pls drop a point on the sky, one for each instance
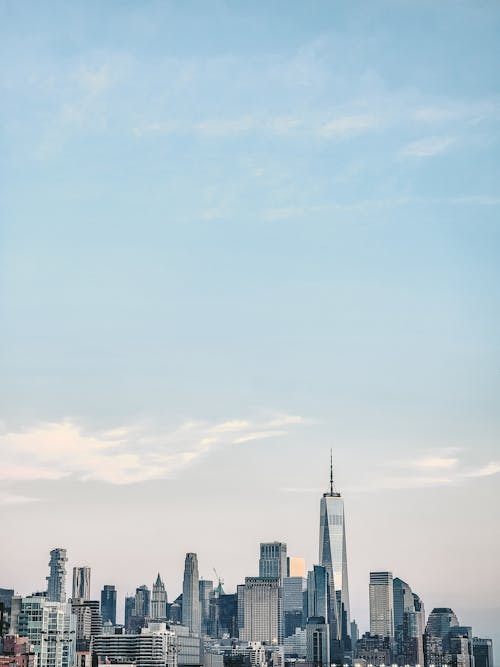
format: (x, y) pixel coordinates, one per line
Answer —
(233, 236)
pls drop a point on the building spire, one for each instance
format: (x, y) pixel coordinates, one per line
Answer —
(331, 473)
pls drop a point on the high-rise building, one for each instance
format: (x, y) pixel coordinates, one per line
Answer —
(437, 636)
(373, 650)
(262, 601)
(381, 604)
(206, 588)
(318, 593)
(142, 607)
(409, 623)
(296, 566)
(293, 604)
(191, 611)
(273, 560)
(50, 627)
(318, 642)
(83, 616)
(56, 580)
(333, 556)
(483, 652)
(159, 600)
(81, 582)
(129, 610)
(354, 634)
(108, 604)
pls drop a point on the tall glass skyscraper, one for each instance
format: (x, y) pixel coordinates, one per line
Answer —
(333, 557)
(108, 604)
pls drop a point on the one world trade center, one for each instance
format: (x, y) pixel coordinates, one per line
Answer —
(333, 557)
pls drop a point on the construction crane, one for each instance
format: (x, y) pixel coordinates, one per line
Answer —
(220, 581)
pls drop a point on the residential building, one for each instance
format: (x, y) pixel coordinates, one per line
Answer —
(81, 582)
(56, 580)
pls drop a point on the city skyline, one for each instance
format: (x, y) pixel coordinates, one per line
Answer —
(263, 557)
(234, 236)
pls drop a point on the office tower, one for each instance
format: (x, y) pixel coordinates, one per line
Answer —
(96, 618)
(381, 604)
(262, 614)
(296, 566)
(483, 652)
(273, 561)
(56, 589)
(295, 646)
(227, 605)
(354, 634)
(81, 582)
(191, 612)
(293, 604)
(437, 636)
(129, 610)
(142, 608)
(240, 593)
(318, 593)
(333, 556)
(50, 627)
(206, 588)
(159, 600)
(440, 620)
(108, 604)
(318, 642)
(408, 624)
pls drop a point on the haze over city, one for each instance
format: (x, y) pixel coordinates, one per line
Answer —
(233, 237)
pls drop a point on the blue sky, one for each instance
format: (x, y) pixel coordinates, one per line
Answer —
(232, 236)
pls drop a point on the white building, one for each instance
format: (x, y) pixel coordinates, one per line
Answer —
(381, 604)
(262, 611)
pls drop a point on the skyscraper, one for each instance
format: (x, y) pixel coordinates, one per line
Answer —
(381, 604)
(206, 588)
(409, 624)
(81, 582)
(142, 607)
(318, 593)
(159, 600)
(333, 556)
(273, 560)
(56, 588)
(108, 604)
(191, 612)
(129, 610)
(296, 566)
(262, 610)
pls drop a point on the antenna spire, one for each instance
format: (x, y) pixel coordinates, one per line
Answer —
(331, 473)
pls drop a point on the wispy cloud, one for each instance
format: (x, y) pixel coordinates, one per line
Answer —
(436, 462)
(124, 455)
(492, 468)
(13, 499)
(428, 147)
(345, 126)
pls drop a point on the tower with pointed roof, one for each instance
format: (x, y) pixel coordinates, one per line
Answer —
(333, 557)
(159, 600)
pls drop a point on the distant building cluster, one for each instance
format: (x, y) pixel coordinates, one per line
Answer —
(284, 617)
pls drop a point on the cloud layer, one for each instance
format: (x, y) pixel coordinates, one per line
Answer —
(125, 455)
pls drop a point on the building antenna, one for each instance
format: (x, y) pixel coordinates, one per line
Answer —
(331, 473)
